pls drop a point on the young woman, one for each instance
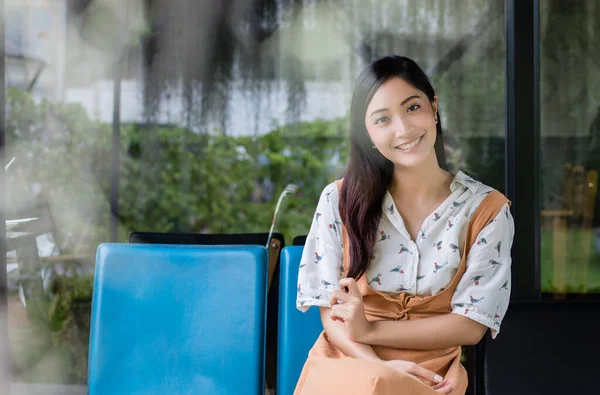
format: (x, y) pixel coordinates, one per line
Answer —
(406, 261)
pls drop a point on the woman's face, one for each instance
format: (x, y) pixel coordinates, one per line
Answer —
(400, 120)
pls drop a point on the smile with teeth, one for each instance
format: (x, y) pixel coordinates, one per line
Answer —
(409, 145)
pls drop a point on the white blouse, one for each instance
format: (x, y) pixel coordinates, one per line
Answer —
(421, 267)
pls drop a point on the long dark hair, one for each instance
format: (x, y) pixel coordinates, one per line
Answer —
(369, 174)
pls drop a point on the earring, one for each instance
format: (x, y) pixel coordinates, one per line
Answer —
(436, 120)
(373, 146)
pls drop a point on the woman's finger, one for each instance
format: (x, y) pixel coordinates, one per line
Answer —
(340, 308)
(339, 295)
(420, 371)
(338, 313)
(440, 385)
(447, 388)
(352, 286)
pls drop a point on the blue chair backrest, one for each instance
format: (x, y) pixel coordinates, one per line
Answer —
(173, 319)
(297, 331)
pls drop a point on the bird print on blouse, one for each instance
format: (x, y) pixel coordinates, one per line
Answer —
(438, 266)
(504, 286)
(454, 247)
(326, 283)
(376, 279)
(383, 236)
(494, 263)
(499, 247)
(404, 249)
(335, 226)
(496, 316)
(397, 269)
(461, 305)
(315, 297)
(482, 241)
(317, 216)
(438, 245)
(328, 193)
(476, 279)
(318, 257)
(458, 204)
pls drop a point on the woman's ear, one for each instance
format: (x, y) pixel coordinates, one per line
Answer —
(434, 105)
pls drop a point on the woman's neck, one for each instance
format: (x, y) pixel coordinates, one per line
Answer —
(422, 183)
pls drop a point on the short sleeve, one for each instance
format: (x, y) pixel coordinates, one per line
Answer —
(483, 293)
(321, 264)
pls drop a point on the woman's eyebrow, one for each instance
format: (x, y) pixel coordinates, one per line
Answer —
(408, 99)
(376, 111)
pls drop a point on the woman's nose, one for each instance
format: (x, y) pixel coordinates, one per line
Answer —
(402, 127)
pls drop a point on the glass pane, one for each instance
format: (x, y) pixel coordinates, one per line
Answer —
(570, 147)
(220, 108)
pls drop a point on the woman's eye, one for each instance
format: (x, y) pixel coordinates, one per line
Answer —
(382, 120)
(414, 107)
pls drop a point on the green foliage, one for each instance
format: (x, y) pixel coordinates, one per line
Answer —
(171, 180)
(178, 181)
(572, 267)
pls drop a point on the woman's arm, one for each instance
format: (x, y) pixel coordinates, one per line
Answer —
(432, 333)
(336, 333)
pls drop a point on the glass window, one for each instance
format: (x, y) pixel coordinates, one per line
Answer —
(219, 110)
(570, 147)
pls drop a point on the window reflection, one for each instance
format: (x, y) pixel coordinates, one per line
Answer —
(570, 148)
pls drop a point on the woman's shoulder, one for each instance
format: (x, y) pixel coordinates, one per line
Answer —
(329, 202)
(477, 191)
(476, 187)
(330, 194)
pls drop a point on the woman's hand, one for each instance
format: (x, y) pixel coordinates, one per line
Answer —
(440, 385)
(347, 306)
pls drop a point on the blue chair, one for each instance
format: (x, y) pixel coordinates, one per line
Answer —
(173, 319)
(297, 331)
